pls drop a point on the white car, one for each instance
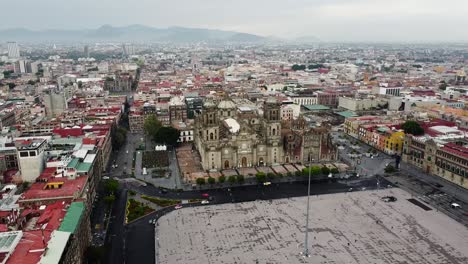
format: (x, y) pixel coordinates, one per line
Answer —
(266, 183)
(105, 178)
(455, 206)
(205, 202)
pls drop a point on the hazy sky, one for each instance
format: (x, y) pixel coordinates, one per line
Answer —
(354, 20)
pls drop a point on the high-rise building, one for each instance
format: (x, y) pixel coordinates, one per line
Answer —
(55, 102)
(21, 66)
(86, 51)
(13, 50)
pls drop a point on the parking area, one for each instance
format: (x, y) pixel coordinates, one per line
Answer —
(353, 227)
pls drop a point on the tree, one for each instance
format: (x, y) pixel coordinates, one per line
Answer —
(211, 180)
(412, 127)
(80, 84)
(11, 85)
(7, 74)
(119, 138)
(200, 181)
(151, 126)
(389, 169)
(334, 171)
(232, 179)
(240, 178)
(325, 170)
(111, 185)
(221, 179)
(314, 171)
(261, 177)
(168, 135)
(31, 82)
(109, 199)
(443, 85)
(297, 67)
(271, 175)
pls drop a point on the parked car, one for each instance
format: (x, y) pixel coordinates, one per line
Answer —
(455, 206)
(205, 202)
(178, 206)
(205, 195)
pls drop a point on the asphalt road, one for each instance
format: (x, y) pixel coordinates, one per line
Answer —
(115, 242)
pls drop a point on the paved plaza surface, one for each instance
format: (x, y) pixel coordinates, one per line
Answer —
(354, 227)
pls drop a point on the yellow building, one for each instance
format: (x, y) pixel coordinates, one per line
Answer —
(394, 142)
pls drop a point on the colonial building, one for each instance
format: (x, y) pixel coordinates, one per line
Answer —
(230, 136)
(447, 160)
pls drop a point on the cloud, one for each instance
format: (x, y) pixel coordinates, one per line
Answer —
(355, 20)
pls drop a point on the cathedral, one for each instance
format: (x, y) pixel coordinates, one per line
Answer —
(230, 136)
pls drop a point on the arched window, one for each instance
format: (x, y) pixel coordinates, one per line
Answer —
(273, 131)
(211, 136)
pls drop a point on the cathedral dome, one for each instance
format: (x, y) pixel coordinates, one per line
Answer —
(226, 104)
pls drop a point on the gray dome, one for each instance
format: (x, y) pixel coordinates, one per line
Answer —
(226, 104)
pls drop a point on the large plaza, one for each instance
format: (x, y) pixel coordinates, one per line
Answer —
(355, 227)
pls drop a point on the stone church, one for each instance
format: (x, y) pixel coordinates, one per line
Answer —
(231, 136)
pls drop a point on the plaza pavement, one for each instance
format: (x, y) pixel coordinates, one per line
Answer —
(354, 227)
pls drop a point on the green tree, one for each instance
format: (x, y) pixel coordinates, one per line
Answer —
(443, 85)
(334, 171)
(412, 127)
(200, 181)
(119, 138)
(111, 185)
(151, 126)
(271, 175)
(261, 177)
(109, 199)
(232, 179)
(80, 84)
(7, 74)
(168, 135)
(325, 170)
(240, 178)
(11, 85)
(211, 180)
(31, 82)
(389, 169)
(221, 179)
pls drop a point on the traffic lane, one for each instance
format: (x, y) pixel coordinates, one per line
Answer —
(140, 241)
(115, 237)
(255, 192)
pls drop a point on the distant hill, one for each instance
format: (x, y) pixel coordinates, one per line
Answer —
(133, 33)
(307, 39)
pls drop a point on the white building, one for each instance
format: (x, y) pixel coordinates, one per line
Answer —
(13, 50)
(30, 157)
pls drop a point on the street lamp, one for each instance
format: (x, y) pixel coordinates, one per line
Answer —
(306, 248)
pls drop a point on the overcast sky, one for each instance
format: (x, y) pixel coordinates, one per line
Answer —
(329, 20)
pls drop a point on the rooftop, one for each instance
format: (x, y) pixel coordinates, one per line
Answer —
(316, 107)
(72, 218)
(55, 247)
(54, 187)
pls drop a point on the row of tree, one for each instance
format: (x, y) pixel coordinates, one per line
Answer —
(302, 67)
(262, 177)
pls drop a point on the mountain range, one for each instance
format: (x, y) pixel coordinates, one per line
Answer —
(133, 33)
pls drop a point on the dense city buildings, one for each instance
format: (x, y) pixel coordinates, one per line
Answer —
(72, 118)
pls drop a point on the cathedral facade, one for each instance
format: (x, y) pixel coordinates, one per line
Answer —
(230, 136)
